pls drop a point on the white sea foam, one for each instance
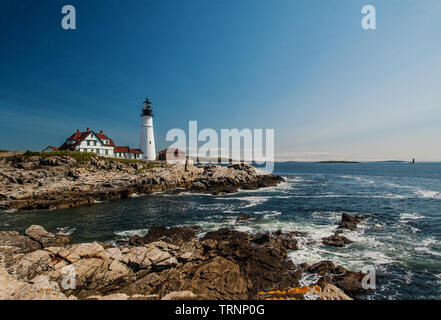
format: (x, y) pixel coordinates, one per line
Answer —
(98, 201)
(427, 247)
(269, 214)
(252, 200)
(65, 231)
(428, 193)
(135, 195)
(245, 229)
(129, 233)
(405, 217)
(359, 179)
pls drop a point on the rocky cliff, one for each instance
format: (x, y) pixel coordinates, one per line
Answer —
(59, 182)
(174, 263)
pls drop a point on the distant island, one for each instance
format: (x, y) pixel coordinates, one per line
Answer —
(337, 161)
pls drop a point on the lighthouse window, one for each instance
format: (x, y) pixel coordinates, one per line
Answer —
(150, 142)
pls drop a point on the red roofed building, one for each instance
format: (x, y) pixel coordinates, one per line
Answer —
(50, 149)
(171, 155)
(127, 153)
(99, 143)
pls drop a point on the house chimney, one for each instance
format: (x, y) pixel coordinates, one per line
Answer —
(88, 129)
(101, 131)
(78, 130)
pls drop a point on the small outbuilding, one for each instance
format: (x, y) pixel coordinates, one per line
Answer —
(50, 149)
(171, 154)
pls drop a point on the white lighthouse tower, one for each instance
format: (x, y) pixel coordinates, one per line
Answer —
(147, 143)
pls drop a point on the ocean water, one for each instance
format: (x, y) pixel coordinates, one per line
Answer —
(401, 236)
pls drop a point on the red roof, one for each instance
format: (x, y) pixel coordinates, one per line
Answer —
(102, 136)
(121, 149)
(79, 136)
(170, 150)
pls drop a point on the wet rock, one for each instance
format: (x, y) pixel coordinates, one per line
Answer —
(245, 218)
(350, 282)
(261, 238)
(170, 235)
(349, 222)
(322, 267)
(173, 264)
(46, 239)
(303, 267)
(336, 241)
(264, 263)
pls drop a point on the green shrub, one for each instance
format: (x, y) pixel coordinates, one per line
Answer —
(79, 156)
(31, 153)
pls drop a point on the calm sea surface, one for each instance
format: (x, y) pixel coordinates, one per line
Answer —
(401, 235)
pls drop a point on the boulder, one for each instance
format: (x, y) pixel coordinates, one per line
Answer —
(322, 267)
(180, 295)
(350, 282)
(31, 265)
(245, 218)
(39, 288)
(47, 239)
(331, 292)
(22, 244)
(349, 222)
(336, 241)
(173, 235)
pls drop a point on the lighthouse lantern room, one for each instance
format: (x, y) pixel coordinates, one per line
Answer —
(147, 143)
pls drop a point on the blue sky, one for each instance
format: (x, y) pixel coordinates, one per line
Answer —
(307, 69)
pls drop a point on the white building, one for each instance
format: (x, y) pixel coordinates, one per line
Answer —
(147, 141)
(99, 143)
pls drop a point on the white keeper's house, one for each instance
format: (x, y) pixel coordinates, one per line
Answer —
(102, 145)
(99, 143)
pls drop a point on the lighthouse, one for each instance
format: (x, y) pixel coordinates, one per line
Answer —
(147, 143)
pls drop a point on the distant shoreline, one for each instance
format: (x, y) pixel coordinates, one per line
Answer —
(335, 161)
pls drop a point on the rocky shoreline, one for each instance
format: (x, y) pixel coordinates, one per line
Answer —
(167, 263)
(61, 182)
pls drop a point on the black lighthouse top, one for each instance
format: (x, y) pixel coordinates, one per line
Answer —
(147, 110)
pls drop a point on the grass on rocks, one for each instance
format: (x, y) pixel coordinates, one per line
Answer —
(86, 156)
(78, 156)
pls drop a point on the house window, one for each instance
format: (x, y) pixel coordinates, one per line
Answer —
(106, 152)
(88, 142)
(94, 143)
